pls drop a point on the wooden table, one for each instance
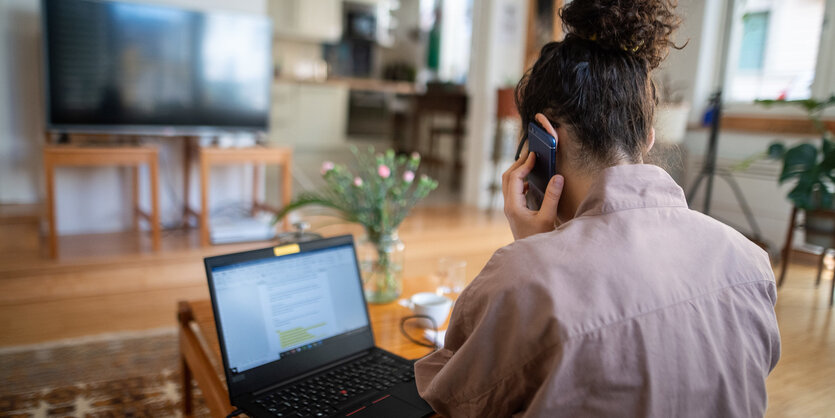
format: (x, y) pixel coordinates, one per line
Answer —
(200, 353)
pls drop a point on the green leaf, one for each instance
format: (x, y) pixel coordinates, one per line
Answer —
(801, 195)
(776, 150)
(828, 163)
(798, 160)
(813, 167)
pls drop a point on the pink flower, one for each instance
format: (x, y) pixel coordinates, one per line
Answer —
(408, 176)
(415, 155)
(357, 182)
(383, 171)
(326, 166)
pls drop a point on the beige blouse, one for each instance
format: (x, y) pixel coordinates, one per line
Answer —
(637, 307)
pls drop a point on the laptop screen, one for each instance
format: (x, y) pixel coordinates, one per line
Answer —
(274, 308)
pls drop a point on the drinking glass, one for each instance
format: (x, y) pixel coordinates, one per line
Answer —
(452, 276)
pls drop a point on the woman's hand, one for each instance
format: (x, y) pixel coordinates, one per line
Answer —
(523, 221)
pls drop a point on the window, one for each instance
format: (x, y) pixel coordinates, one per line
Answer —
(752, 51)
(775, 47)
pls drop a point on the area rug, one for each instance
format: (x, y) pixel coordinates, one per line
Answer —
(120, 375)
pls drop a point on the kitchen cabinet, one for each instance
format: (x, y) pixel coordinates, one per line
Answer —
(318, 21)
(308, 115)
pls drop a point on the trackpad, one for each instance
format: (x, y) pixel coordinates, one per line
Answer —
(388, 407)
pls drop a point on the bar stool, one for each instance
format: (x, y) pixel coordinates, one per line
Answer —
(98, 156)
(256, 155)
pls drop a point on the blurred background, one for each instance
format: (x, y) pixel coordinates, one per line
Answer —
(137, 137)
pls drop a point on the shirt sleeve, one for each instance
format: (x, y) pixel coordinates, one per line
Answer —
(488, 366)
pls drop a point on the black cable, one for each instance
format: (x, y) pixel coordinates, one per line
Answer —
(434, 346)
(235, 413)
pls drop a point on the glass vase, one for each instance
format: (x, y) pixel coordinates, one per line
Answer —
(381, 264)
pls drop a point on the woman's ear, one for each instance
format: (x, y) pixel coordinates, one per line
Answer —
(546, 124)
(651, 139)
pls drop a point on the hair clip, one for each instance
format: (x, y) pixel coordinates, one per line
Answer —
(635, 48)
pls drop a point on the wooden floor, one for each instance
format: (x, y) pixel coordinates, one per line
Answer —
(113, 283)
(802, 383)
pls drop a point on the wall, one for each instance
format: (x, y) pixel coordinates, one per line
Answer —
(693, 67)
(90, 199)
(20, 100)
(496, 61)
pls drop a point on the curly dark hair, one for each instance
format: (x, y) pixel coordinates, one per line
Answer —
(597, 80)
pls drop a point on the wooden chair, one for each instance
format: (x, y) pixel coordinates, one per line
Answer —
(439, 101)
(257, 155)
(786, 254)
(98, 156)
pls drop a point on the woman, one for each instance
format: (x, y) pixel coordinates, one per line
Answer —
(632, 305)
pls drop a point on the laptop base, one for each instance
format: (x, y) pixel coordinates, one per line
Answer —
(378, 384)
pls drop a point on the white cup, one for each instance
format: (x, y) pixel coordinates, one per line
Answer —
(430, 304)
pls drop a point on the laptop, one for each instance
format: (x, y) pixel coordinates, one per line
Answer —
(296, 338)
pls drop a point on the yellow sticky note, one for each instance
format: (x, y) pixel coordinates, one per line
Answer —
(286, 249)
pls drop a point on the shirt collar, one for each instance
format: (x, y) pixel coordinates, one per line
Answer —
(631, 186)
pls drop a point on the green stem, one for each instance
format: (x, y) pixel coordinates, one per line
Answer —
(385, 280)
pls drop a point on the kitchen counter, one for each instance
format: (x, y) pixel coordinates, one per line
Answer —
(357, 84)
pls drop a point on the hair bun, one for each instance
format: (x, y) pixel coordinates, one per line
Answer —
(641, 27)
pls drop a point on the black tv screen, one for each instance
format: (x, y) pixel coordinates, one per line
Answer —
(136, 67)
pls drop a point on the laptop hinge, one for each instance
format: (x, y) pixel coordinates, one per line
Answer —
(311, 373)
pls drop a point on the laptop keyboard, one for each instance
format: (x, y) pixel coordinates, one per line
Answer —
(325, 394)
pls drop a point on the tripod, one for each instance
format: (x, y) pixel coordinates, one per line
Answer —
(709, 171)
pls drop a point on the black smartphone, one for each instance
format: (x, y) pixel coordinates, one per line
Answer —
(544, 147)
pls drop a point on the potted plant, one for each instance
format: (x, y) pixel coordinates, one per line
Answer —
(813, 169)
(377, 195)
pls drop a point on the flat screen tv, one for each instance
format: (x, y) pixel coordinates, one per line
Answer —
(132, 67)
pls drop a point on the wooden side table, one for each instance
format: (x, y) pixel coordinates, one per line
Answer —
(131, 156)
(258, 156)
(200, 352)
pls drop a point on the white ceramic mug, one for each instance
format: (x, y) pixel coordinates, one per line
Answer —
(430, 304)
